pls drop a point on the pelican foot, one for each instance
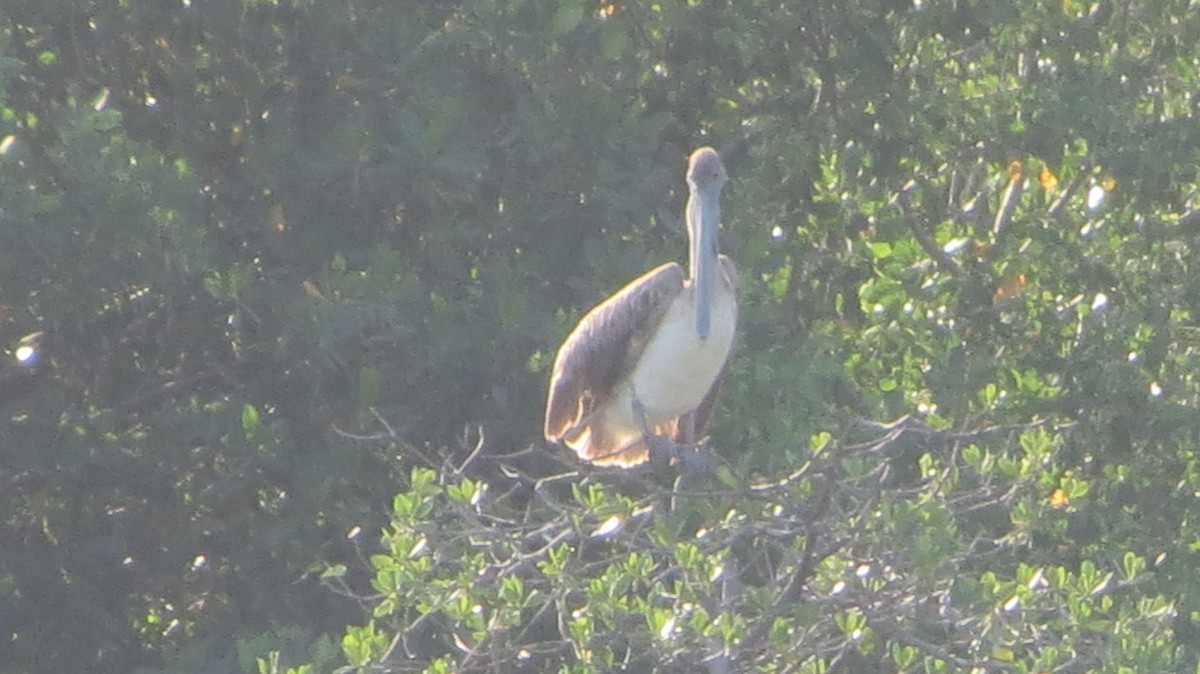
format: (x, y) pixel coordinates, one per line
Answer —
(690, 459)
(696, 461)
(664, 451)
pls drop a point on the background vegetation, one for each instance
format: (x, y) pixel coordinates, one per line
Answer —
(299, 268)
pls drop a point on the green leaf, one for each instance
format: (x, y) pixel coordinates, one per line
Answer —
(368, 387)
(334, 571)
(614, 40)
(567, 16)
(818, 442)
(1133, 565)
(250, 422)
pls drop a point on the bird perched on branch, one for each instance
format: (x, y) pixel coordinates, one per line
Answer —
(643, 369)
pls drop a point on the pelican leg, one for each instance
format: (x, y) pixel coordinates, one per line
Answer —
(663, 450)
(689, 429)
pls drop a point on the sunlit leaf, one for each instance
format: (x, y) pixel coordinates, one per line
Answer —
(1010, 286)
(1058, 498)
(1047, 179)
(1015, 169)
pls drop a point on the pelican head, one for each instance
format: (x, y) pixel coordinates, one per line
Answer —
(705, 178)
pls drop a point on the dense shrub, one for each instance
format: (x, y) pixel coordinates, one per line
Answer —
(287, 259)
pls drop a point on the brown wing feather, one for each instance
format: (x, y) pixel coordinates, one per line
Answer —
(600, 350)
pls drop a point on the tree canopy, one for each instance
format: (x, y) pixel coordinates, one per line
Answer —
(281, 282)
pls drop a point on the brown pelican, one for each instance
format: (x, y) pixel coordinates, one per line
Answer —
(646, 364)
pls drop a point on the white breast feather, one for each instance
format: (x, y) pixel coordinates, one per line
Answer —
(677, 369)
